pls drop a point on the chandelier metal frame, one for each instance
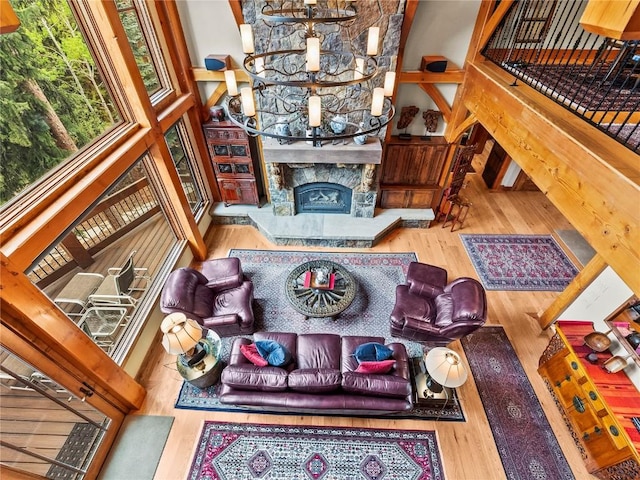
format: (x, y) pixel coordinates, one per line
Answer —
(283, 81)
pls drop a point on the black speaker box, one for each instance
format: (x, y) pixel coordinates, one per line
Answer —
(438, 66)
(433, 63)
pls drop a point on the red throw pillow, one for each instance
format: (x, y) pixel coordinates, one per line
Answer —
(383, 366)
(250, 352)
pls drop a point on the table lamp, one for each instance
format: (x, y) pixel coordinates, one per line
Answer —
(444, 367)
(197, 355)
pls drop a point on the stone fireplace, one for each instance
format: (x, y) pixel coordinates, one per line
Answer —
(329, 179)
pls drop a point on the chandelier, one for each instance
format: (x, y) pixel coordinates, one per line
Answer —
(308, 80)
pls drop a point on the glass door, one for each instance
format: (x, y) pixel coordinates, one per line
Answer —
(45, 429)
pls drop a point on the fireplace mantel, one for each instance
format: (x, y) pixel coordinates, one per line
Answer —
(302, 152)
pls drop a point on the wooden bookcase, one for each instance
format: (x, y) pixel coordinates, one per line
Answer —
(234, 159)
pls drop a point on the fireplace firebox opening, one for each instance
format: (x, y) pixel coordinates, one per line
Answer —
(322, 197)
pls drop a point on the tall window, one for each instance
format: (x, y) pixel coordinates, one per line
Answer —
(52, 97)
(99, 273)
(136, 22)
(183, 160)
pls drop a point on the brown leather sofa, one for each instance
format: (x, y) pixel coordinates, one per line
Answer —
(320, 378)
(218, 298)
(429, 310)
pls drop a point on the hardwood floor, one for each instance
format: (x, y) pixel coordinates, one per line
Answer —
(467, 448)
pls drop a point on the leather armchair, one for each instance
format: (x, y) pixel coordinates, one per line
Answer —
(222, 303)
(427, 309)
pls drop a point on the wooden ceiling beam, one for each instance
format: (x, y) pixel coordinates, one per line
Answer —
(574, 164)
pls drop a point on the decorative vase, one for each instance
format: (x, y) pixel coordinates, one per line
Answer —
(360, 139)
(338, 124)
(217, 113)
(283, 130)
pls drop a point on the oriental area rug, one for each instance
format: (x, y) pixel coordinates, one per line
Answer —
(526, 443)
(376, 274)
(519, 262)
(234, 451)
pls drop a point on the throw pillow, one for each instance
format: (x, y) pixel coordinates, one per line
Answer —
(274, 353)
(383, 366)
(372, 352)
(251, 353)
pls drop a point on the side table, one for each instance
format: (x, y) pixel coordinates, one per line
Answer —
(208, 370)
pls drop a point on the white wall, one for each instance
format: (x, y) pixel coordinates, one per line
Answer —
(440, 27)
(210, 28)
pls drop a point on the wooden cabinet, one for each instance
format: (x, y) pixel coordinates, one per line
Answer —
(598, 406)
(234, 158)
(411, 171)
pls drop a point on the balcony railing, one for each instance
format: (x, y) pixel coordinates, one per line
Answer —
(109, 220)
(541, 43)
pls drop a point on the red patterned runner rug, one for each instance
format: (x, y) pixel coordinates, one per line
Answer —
(519, 262)
(236, 450)
(525, 441)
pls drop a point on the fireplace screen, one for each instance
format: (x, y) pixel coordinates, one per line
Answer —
(322, 197)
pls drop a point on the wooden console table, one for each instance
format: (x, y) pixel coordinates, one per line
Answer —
(600, 408)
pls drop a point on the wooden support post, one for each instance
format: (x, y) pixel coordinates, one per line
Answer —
(581, 281)
(77, 251)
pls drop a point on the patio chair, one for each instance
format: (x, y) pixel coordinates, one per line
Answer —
(120, 284)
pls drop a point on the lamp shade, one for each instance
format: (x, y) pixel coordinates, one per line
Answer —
(445, 367)
(181, 334)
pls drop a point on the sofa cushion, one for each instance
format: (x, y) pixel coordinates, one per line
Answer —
(373, 384)
(273, 352)
(383, 366)
(251, 353)
(319, 350)
(251, 377)
(372, 352)
(315, 380)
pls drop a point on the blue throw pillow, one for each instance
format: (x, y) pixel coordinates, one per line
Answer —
(274, 353)
(372, 352)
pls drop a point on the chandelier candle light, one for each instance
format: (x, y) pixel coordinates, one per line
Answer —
(305, 82)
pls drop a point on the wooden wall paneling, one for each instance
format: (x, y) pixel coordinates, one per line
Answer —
(572, 163)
